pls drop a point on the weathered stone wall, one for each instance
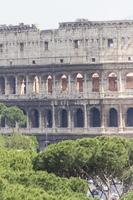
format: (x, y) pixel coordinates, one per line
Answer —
(72, 43)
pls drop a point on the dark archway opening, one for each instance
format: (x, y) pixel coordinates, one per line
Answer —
(2, 85)
(95, 118)
(3, 122)
(113, 118)
(130, 117)
(12, 85)
(79, 118)
(63, 119)
(34, 119)
(49, 119)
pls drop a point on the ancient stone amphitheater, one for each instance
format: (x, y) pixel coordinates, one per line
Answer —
(73, 81)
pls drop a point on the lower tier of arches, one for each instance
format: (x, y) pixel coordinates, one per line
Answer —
(83, 117)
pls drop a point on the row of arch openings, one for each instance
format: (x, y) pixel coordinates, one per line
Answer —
(95, 118)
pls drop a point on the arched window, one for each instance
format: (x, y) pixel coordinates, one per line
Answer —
(95, 82)
(130, 117)
(79, 118)
(36, 86)
(79, 82)
(2, 85)
(64, 82)
(22, 85)
(63, 118)
(3, 122)
(24, 125)
(112, 81)
(113, 118)
(12, 85)
(49, 84)
(129, 80)
(34, 118)
(95, 117)
(49, 119)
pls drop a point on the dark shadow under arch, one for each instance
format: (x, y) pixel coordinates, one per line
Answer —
(113, 118)
(130, 117)
(63, 118)
(79, 118)
(95, 120)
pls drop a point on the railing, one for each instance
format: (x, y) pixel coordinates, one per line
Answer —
(77, 131)
(73, 95)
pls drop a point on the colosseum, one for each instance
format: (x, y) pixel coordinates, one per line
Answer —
(70, 82)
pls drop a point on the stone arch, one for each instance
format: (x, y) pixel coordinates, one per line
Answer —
(63, 118)
(79, 118)
(11, 81)
(95, 82)
(113, 118)
(49, 84)
(112, 81)
(79, 82)
(2, 85)
(24, 125)
(95, 120)
(22, 85)
(36, 85)
(129, 80)
(130, 117)
(64, 83)
(49, 118)
(3, 122)
(34, 118)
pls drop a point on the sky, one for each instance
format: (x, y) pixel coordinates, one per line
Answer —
(46, 14)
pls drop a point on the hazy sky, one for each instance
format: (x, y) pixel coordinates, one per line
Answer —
(48, 13)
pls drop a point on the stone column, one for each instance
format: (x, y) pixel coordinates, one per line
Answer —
(40, 120)
(53, 111)
(27, 114)
(121, 124)
(85, 91)
(54, 86)
(27, 85)
(102, 84)
(85, 117)
(69, 118)
(103, 118)
(120, 83)
(69, 84)
(6, 86)
(16, 85)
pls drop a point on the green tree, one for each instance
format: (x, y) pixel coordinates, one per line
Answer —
(103, 159)
(14, 116)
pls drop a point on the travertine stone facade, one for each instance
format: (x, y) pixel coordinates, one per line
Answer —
(75, 80)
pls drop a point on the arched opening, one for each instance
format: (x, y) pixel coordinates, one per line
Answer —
(49, 119)
(79, 118)
(2, 85)
(112, 81)
(130, 117)
(12, 85)
(95, 82)
(129, 80)
(34, 118)
(79, 82)
(113, 118)
(64, 83)
(49, 84)
(3, 122)
(63, 118)
(95, 118)
(22, 85)
(36, 86)
(25, 124)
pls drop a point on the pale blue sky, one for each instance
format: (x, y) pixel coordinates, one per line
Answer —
(48, 13)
